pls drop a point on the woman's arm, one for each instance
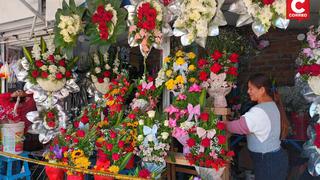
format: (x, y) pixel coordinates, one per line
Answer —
(238, 126)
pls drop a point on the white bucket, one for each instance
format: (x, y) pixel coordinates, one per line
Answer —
(12, 137)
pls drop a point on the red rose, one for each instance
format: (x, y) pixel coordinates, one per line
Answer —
(109, 146)
(203, 76)
(215, 68)
(68, 137)
(64, 149)
(107, 16)
(106, 74)
(267, 2)
(221, 125)
(84, 119)
(51, 124)
(230, 154)
(144, 173)
(204, 116)
(205, 142)
(150, 79)
(44, 74)
(201, 63)
(51, 58)
(113, 135)
(35, 73)
(50, 115)
(76, 124)
(232, 71)
(121, 144)
(115, 156)
(75, 140)
(221, 139)
(96, 18)
(191, 142)
(59, 76)
(132, 116)
(62, 63)
(216, 55)
(139, 87)
(100, 80)
(68, 74)
(81, 133)
(39, 63)
(100, 9)
(234, 57)
(63, 131)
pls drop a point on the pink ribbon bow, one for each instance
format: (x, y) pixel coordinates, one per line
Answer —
(193, 111)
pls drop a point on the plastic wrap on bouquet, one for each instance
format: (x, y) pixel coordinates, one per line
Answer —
(306, 91)
(314, 83)
(209, 173)
(155, 168)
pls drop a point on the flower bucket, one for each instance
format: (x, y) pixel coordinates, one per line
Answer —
(219, 96)
(75, 177)
(209, 173)
(51, 86)
(97, 177)
(54, 173)
(12, 137)
(102, 87)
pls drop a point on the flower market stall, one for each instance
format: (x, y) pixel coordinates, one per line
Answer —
(136, 89)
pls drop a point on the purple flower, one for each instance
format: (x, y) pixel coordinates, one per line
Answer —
(311, 38)
(308, 52)
(57, 151)
(196, 178)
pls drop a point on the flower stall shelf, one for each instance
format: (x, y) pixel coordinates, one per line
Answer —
(176, 158)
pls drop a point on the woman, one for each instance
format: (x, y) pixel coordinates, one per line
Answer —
(263, 124)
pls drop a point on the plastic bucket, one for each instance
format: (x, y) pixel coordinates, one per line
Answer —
(12, 137)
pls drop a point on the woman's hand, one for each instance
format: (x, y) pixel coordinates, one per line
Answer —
(19, 93)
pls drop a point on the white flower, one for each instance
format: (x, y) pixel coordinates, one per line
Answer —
(202, 28)
(62, 25)
(107, 67)
(141, 122)
(280, 7)
(194, 15)
(62, 69)
(140, 138)
(36, 51)
(51, 77)
(44, 68)
(186, 125)
(97, 70)
(149, 138)
(151, 114)
(265, 16)
(106, 57)
(166, 123)
(106, 80)
(53, 69)
(94, 79)
(164, 135)
(139, 103)
(67, 39)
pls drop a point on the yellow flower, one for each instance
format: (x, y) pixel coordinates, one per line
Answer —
(114, 169)
(65, 154)
(192, 80)
(179, 53)
(179, 80)
(192, 67)
(100, 140)
(167, 59)
(168, 73)
(191, 55)
(110, 103)
(115, 91)
(82, 162)
(180, 61)
(76, 154)
(170, 84)
(136, 123)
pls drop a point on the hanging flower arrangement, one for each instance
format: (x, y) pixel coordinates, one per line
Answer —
(107, 22)
(47, 69)
(262, 14)
(145, 22)
(198, 20)
(310, 66)
(68, 26)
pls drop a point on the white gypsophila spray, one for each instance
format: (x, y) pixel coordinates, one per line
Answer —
(36, 51)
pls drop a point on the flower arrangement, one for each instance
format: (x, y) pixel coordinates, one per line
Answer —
(46, 68)
(68, 26)
(103, 71)
(145, 25)
(50, 117)
(7, 115)
(310, 67)
(112, 154)
(193, 23)
(107, 22)
(175, 70)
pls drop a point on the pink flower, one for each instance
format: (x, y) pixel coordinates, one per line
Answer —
(142, 32)
(181, 97)
(172, 123)
(308, 52)
(132, 28)
(171, 109)
(195, 88)
(137, 36)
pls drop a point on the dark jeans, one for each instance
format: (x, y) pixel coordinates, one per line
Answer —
(270, 166)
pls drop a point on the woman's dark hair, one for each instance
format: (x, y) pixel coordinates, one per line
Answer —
(261, 80)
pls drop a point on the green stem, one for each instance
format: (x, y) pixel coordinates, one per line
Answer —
(145, 66)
